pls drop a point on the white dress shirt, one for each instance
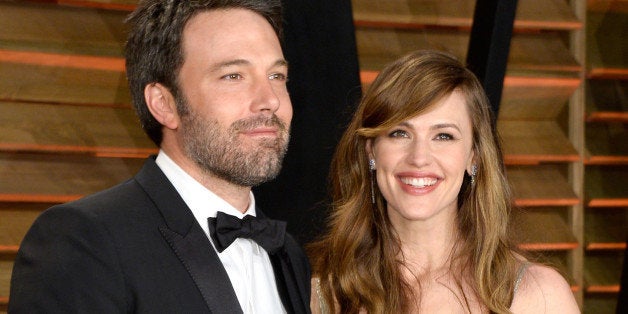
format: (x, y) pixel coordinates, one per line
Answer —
(246, 263)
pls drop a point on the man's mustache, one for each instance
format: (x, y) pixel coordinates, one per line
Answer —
(259, 121)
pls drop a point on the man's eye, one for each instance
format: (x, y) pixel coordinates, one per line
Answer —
(232, 76)
(278, 76)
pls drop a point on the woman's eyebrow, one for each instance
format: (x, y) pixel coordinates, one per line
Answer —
(444, 126)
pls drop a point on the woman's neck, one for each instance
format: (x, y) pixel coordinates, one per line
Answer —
(428, 246)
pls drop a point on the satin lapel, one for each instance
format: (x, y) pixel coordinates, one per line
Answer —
(294, 294)
(188, 241)
(201, 261)
(287, 285)
(280, 280)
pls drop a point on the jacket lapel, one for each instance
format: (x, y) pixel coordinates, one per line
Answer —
(205, 269)
(189, 242)
(288, 285)
(292, 274)
(281, 272)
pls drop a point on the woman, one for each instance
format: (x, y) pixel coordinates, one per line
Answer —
(421, 205)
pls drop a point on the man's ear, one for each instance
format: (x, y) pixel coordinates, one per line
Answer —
(161, 105)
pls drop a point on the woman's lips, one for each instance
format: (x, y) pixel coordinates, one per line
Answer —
(418, 184)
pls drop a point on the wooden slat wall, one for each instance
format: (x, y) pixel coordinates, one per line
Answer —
(606, 160)
(67, 128)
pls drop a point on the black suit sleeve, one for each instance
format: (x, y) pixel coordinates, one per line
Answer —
(67, 264)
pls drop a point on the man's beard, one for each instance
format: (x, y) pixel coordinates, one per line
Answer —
(222, 153)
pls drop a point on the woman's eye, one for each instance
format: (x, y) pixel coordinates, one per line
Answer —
(398, 133)
(444, 137)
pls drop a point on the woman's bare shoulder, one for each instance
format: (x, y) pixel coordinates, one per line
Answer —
(543, 290)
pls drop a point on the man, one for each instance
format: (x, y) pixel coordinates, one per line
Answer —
(208, 81)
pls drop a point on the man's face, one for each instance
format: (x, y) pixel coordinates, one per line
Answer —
(233, 82)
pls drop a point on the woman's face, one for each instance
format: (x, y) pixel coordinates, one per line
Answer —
(421, 162)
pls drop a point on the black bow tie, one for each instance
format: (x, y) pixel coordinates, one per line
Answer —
(268, 233)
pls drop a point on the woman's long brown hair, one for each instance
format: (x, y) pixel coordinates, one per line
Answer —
(358, 260)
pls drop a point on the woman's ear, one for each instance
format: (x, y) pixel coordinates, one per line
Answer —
(472, 164)
(369, 148)
(161, 105)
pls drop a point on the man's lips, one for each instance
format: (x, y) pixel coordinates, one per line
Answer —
(264, 131)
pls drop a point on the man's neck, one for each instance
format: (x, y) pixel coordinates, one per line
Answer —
(236, 195)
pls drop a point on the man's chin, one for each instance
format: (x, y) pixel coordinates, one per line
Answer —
(261, 178)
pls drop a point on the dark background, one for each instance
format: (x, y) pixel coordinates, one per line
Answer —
(324, 85)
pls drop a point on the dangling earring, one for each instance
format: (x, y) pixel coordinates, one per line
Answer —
(372, 170)
(474, 171)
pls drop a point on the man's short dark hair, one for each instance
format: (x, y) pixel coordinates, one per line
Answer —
(153, 49)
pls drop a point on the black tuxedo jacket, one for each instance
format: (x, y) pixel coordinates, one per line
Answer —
(135, 248)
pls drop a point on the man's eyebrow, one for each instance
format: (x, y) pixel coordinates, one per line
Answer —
(236, 62)
(281, 63)
(228, 63)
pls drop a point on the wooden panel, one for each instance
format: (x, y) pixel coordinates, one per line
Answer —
(606, 228)
(607, 116)
(607, 149)
(59, 178)
(606, 186)
(541, 52)
(544, 185)
(14, 227)
(551, 14)
(528, 52)
(413, 14)
(607, 72)
(600, 303)
(59, 84)
(63, 60)
(543, 229)
(535, 98)
(607, 143)
(603, 270)
(607, 5)
(6, 266)
(57, 29)
(606, 44)
(100, 131)
(606, 100)
(377, 47)
(607, 125)
(533, 142)
(70, 55)
(15, 220)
